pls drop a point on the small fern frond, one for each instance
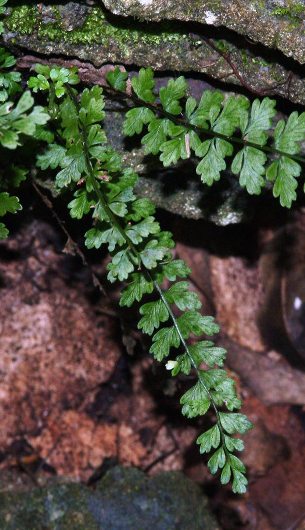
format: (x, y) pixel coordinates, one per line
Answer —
(142, 255)
(175, 126)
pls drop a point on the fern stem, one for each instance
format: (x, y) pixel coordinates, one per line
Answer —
(90, 172)
(115, 222)
(187, 351)
(180, 120)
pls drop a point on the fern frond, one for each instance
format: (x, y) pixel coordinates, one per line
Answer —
(142, 255)
(174, 126)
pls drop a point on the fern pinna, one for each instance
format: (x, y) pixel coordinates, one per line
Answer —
(176, 126)
(142, 255)
(17, 119)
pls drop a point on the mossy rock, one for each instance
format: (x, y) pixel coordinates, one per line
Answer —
(125, 499)
(264, 21)
(90, 33)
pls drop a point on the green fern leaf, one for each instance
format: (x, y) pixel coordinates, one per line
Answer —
(92, 105)
(234, 422)
(195, 401)
(120, 267)
(136, 289)
(213, 161)
(73, 165)
(80, 205)
(193, 322)
(180, 295)
(208, 109)
(172, 93)
(52, 157)
(152, 253)
(208, 440)
(96, 237)
(217, 461)
(234, 112)
(143, 229)
(135, 120)
(283, 173)
(234, 444)
(163, 341)
(287, 136)
(117, 79)
(254, 128)
(9, 203)
(141, 208)
(173, 150)
(156, 136)
(153, 314)
(143, 85)
(249, 164)
(239, 483)
(226, 474)
(176, 268)
(3, 231)
(207, 352)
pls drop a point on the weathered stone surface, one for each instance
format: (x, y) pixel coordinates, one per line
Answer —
(75, 444)
(238, 294)
(195, 201)
(270, 377)
(264, 449)
(270, 22)
(92, 35)
(125, 499)
(54, 351)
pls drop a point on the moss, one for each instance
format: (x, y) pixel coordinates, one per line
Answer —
(222, 46)
(260, 61)
(22, 19)
(293, 12)
(249, 61)
(96, 29)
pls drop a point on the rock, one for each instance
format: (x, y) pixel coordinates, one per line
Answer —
(125, 499)
(245, 514)
(75, 444)
(264, 449)
(293, 301)
(54, 350)
(92, 34)
(69, 400)
(264, 21)
(194, 201)
(270, 377)
(238, 296)
(282, 267)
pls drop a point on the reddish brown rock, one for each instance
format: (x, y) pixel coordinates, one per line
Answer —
(238, 295)
(54, 351)
(74, 444)
(264, 449)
